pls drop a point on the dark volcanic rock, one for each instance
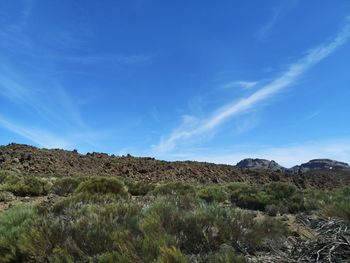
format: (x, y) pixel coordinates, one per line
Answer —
(250, 163)
(320, 164)
(32, 160)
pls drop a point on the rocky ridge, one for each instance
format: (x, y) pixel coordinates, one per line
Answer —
(250, 163)
(316, 164)
(32, 160)
(320, 164)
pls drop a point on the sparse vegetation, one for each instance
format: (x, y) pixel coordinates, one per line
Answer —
(339, 204)
(95, 219)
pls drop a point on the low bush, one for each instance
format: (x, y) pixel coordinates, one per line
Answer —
(236, 186)
(92, 232)
(25, 185)
(13, 223)
(224, 256)
(171, 255)
(6, 196)
(4, 174)
(174, 188)
(315, 199)
(66, 185)
(103, 185)
(339, 204)
(212, 193)
(139, 188)
(285, 197)
(248, 198)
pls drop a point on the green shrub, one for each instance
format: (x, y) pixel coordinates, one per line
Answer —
(171, 255)
(12, 226)
(112, 257)
(174, 188)
(339, 204)
(60, 255)
(139, 188)
(4, 174)
(280, 191)
(282, 195)
(272, 210)
(66, 185)
(103, 185)
(97, 223)
(232, 187)
(225, 256)
(249, 198)
(93, 232)
(6, 196)
(23, 186)
(315, 199)
(77, 201)
(212, 193)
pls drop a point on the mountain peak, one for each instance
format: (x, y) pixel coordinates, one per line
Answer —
(257, 163)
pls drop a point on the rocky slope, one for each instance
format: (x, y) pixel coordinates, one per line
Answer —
(33, 160)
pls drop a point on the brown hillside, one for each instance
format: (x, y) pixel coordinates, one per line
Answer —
(33, 160)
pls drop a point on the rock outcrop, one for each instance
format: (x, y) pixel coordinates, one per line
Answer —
(250, 163)
(320, 164)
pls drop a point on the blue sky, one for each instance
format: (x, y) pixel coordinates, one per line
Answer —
(198, 80)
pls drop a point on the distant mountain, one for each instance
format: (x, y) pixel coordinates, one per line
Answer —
(320, 164)
(251, 163)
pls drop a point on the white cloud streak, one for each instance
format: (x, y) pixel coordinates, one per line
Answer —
(286, 79)
(240, 84)
(42, 138)
(265, 30)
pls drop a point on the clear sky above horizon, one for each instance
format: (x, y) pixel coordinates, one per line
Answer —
(199, 80)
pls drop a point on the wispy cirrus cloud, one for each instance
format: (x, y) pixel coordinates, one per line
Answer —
(240, 84)
(278, 11)
(52, 109)
(42, 109)
(205, 126)
(42, 138)
(266, 28)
